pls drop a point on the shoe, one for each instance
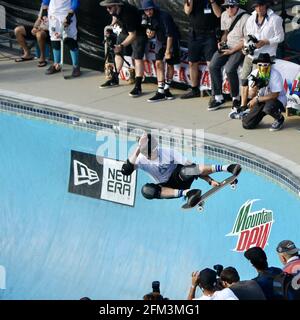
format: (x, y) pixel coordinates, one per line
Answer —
(135, 92)
(157, 97)
(240, 113)
(191, 94)
(277, 124)
(214, 104)
(193, 197)
(169, 95)
(205, 93)
(76, 72)
(234, 168)
(110, 83)
(52, 69)
(236, 104)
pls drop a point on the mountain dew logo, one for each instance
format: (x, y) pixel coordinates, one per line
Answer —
(252, 228)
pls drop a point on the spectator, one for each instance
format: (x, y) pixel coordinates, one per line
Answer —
(173, 173)
(203, 16)
(243, 290)
(132, 35)
(62, 16)
(267, 93)
(162, 27)
(206, 279)
(229, 53)
(38, 32)
(289, 256)
(266, 274)
(266, 26)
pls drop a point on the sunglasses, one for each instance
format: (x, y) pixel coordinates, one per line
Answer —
(230, 7)
(263, 64)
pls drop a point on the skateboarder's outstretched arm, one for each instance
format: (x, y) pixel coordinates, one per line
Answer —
(128, 166)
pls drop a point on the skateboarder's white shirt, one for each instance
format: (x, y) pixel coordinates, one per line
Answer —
(163, 166)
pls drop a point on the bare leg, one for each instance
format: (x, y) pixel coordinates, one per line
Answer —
(139, 68)
(41, 37)
(244, 95)
(194, 73)
(20, 33)
(160, 70)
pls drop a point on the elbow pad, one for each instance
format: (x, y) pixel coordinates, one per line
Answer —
(127, 168)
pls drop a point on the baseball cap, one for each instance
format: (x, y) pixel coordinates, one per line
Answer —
(287, 246)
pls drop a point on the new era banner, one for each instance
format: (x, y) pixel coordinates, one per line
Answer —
(101, 178)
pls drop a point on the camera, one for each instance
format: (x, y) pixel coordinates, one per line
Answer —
(223, 46)
(147, 23)
(251, 45)
(110, 38)
(155, 286)
(258, 82)
(219, 268)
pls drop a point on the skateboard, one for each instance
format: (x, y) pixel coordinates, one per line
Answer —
(232, 181)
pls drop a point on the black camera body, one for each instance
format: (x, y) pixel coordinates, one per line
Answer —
(223, 46)
(258, 82)
(155, 286)
(110, 38)
(251, 45)
(147, 23)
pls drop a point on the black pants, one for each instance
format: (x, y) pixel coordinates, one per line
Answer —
(254, 117)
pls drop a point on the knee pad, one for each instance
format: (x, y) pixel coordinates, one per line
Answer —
(71, 43)
(188, 172)
(244, 82)
(151, 191)
(55, 45)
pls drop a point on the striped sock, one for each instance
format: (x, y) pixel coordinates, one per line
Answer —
(219, 167)
(167, 84)
(161, 86)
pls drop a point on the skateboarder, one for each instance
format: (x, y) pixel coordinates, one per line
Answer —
(173, 174)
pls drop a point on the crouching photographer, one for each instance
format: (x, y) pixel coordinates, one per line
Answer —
(161, 26)
(267, 94)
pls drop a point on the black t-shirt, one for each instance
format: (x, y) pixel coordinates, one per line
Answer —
(130, 19)
(164, 26)
(201, 21)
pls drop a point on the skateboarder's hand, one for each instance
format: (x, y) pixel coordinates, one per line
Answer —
(214, 183)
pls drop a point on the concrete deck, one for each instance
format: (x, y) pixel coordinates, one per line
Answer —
(27, 78)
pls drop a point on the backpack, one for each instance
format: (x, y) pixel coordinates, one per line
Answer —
(286, 286)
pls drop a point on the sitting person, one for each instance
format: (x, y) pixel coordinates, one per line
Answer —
(267, 94)
(38, 32)
(174, 174)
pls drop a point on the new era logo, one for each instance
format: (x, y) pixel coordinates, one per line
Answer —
(83, 174)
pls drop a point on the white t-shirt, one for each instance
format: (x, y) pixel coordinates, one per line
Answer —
(275, 85)
(225, 294)
(163, 166)
(59, 7)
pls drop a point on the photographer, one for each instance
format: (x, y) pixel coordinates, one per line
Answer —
(155, 294)
(266, 27)
(267, 93)
(161, 26)
(229, 53)
(128, 19)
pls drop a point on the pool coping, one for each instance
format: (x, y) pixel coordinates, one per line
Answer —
(80, 116)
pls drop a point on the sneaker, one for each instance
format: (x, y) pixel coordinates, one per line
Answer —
(277, 124)
(135, 92)
(169, 95)
(76, 72)
(234, 168)
(110, 83)
(236, 104)
(205, 93)
(214, 104)
(157, 97)
(193, 197)
(52, 69)
(191, 94)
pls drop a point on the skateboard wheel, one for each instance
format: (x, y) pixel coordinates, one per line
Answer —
(233, 186)
(200, 207)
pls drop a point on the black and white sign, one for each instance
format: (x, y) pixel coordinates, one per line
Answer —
(101, 179)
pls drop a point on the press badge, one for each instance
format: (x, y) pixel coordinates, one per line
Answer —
(207, 10)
